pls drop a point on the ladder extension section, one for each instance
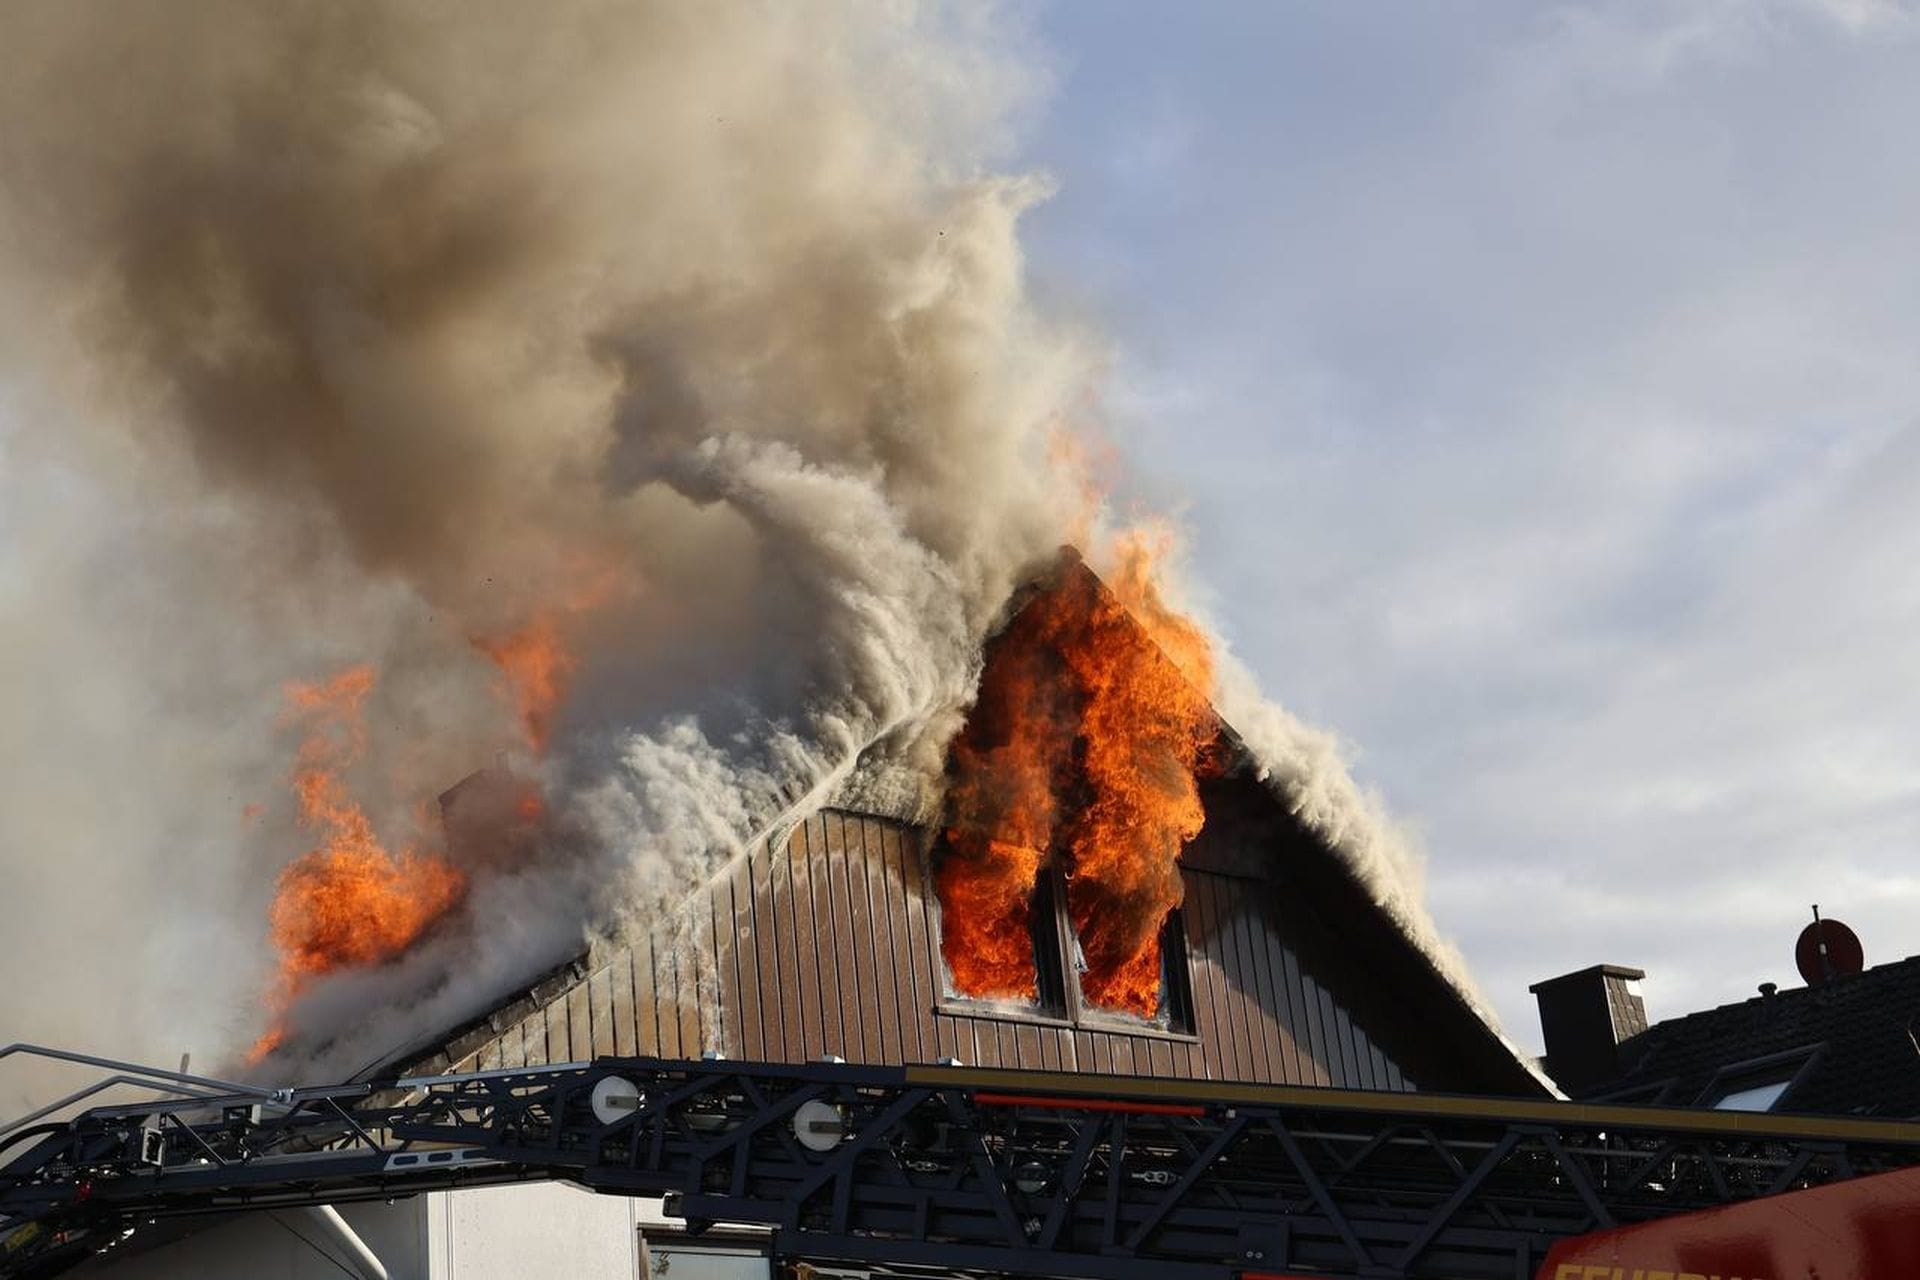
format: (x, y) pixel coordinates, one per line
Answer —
(1022, 1173)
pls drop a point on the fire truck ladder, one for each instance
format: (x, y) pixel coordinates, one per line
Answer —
(1007, 1172)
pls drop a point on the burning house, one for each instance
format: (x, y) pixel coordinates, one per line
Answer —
(1114, 888)
(651, 396)
(1170, 918)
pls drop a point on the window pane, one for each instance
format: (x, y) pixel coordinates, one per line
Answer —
(986, 920)
(1758, 1097)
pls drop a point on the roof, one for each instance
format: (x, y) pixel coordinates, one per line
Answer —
(1848, 1047)
(1410, 982)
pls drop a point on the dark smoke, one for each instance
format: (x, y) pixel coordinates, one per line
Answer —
(345, 331)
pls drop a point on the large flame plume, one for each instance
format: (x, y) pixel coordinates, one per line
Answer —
(348, 902)
(1091, 727)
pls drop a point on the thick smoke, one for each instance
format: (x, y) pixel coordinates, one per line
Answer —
(381, 328)
(350, 331)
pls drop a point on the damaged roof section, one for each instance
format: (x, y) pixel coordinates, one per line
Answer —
(826, 939)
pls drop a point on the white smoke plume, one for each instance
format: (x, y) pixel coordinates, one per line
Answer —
(338, 331)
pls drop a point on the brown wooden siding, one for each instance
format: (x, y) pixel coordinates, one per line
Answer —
(831, 947)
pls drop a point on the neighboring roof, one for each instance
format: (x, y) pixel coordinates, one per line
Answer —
(1848, 1046)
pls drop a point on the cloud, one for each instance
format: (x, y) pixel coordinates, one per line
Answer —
(1541, 387)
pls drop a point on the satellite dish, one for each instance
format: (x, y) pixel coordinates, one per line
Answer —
(1827, 950)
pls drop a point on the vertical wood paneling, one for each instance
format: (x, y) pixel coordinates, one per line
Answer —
(1351, 1059)
(747, 1010)
(694, 955)
(621, 968)
(830, 922)
(986, 1048)
(533, 1040)
(1280, 981)
(1205, 980)
(646, 1033)
(776, 960)
(1330, 1026)
(809, 943)
(694, 973)
(1316, 1041)
(857, 1005)
(1231, 1049)
(600, 1011)
(729, 939)
(953, 1037)
(850, 1041)
(697, 1030)
(888, 979)
(1232, 1004)
(579, 1024)
(666, 988)
(558, 1050)
(1379, 1064)
(1355, 1044)
(1248, 1042)
(1047, 1049)
(916, 1017)
(795, 987)
(704, 946)
(1268, 980)
(828, 927)
(875, 983)
(826, 942)
(1326, 1060)
(1362, 1053)
(1256, 1004)
(937, 1035)
(1085, 1051)
(646, 989)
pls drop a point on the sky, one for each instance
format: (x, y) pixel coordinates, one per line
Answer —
(1538, 384)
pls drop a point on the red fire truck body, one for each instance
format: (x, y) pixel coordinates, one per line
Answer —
(1863, 1229)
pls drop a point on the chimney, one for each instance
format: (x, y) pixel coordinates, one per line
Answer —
(1584, 1017)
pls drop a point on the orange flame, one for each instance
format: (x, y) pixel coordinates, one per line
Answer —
(535, 670)
(1091, 725)
(536, 659)
(1008, 767)
(348, 902)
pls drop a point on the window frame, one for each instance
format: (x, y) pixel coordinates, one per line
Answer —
(1068, 1008)
(1788, 1066)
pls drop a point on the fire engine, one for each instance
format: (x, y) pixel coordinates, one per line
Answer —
(902, 1169)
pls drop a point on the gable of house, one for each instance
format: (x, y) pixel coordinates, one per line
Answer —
(825, 940)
